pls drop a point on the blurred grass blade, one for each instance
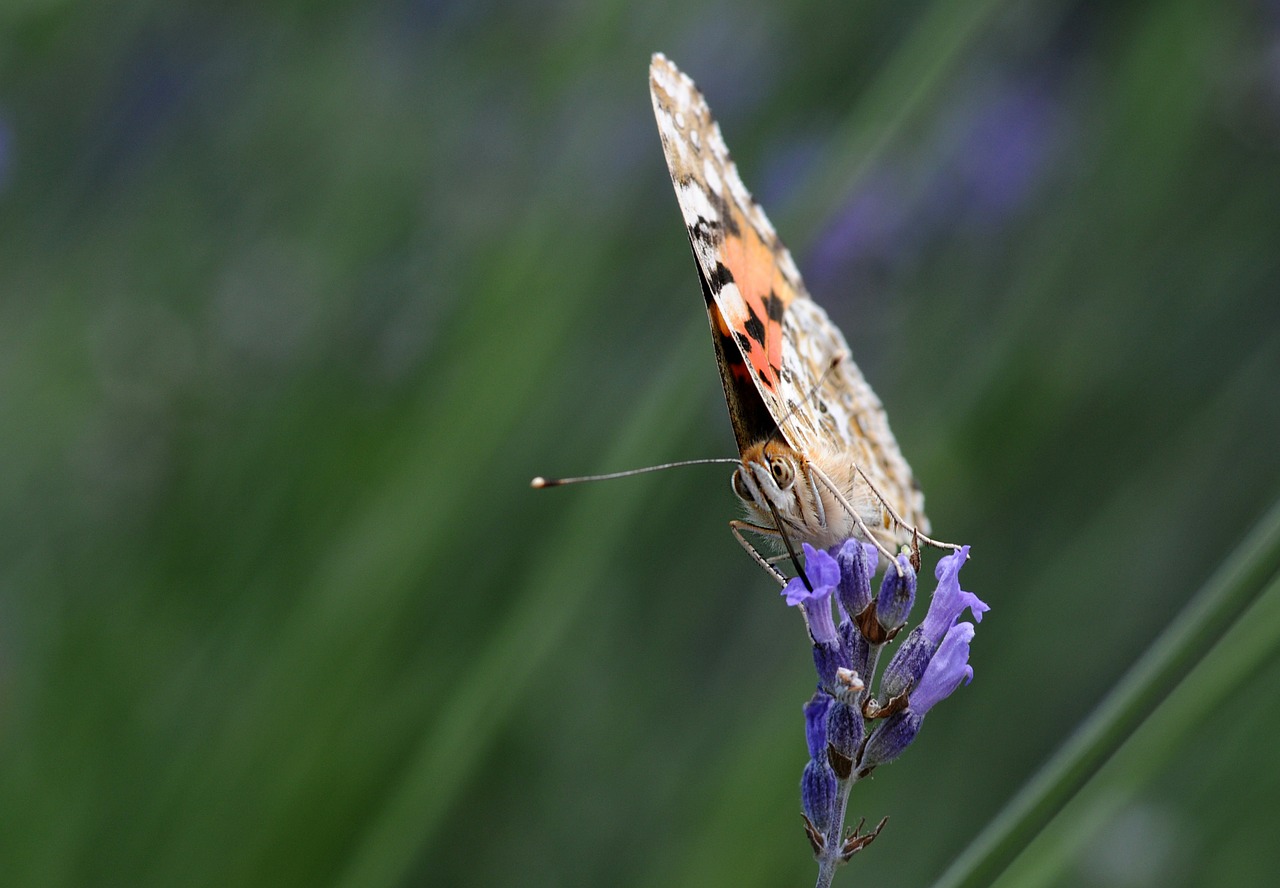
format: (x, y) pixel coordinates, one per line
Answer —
(1238, 581)
(912, 80)
(565, 575)
(1247, 648)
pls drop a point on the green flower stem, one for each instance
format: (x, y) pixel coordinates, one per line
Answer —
(1238, 581)
(829, 859)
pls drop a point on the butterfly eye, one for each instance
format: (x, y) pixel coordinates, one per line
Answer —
(739, 488)
(782, 472)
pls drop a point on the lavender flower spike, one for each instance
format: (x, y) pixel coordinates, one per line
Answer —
(850, 732)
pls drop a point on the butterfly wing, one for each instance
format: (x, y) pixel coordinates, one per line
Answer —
(784, 365)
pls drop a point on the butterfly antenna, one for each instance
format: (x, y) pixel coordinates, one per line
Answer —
(540, 482)
(786, 541)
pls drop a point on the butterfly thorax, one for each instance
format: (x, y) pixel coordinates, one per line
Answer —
(784, 490)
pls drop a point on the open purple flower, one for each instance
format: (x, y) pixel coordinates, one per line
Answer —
(949, 599)
(948, 668)
(824, 576)
(917, 649)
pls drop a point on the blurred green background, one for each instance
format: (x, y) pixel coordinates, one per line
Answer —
(297, 298)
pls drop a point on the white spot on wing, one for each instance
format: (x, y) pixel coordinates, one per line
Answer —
(670, 135)
(712, 177)
(731, 305)
(694, 203)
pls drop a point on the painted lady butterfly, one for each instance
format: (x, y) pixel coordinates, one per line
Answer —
(818, 461)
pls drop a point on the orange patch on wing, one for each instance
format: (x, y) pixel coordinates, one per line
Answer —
(732, 355)
(760, 283)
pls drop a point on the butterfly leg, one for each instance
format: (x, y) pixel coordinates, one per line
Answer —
(853, 513)
(915, 532)
(736, 527)
(817, 500)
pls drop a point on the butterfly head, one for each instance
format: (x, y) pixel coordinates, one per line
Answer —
(792, 493)
(772, 479)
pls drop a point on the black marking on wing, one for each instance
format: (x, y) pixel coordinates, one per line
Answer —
(725, 210)
(721, 276)
(706, 228)
(748, 414)
(774, 307)
(755, 326)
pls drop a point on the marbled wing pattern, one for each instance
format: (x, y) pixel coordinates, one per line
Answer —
(771, 337)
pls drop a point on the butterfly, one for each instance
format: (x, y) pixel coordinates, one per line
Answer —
(818, 463)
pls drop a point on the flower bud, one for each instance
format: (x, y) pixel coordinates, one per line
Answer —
(818, 794)
(897, 594)
(908, 664)
(889, 740)
(844, 736)
(815, 724)
(857, 563)
(856, 647)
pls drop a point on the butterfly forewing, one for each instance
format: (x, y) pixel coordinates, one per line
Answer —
(777, 348)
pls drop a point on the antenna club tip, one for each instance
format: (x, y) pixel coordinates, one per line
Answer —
(538, 483)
